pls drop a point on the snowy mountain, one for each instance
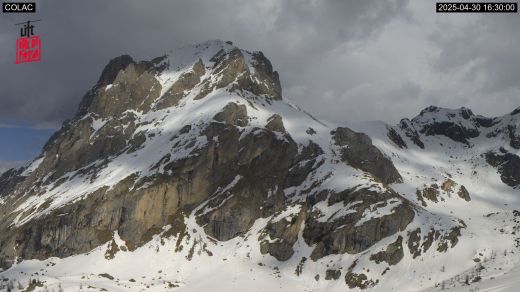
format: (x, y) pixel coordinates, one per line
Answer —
(190, 172)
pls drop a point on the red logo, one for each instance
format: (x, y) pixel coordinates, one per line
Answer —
(28, 46)
(28, 49)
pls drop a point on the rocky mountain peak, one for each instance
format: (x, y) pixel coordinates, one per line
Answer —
(133, 77)
(462, 124)
(112, 69)
(202, 68)
(469, 131)
(434, 113)
(457, 124)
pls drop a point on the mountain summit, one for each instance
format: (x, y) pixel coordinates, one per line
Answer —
(191, 172)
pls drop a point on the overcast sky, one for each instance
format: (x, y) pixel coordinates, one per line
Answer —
(340, 60)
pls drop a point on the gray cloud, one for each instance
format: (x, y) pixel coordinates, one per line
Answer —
(492, 45)
(342, 60)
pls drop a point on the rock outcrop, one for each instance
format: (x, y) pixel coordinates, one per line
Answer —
(357, 150)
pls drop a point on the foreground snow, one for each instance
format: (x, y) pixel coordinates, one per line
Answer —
(147, 270)
(238, 265)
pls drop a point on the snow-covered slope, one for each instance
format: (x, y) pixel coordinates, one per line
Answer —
(441, 149)
(190, 172)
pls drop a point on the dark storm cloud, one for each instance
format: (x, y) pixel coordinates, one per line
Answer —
(342, 60)
(79, 37)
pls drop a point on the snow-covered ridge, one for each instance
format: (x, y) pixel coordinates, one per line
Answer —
(446, 158)
(462, 124)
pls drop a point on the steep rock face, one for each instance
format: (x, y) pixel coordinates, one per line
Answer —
(132, 89)
(138, 213)
(233, 114)
(259, 163)
(279, 236)
(357, 230)
(508, 166)
(358, 151)
(122, 71)
(409, 130)
(81, 144)
(269, 80)
(9, 180)
(396, 138)
(275, 123)
(186, 82)
(111, 70)
(514, 136)
(393, 253)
